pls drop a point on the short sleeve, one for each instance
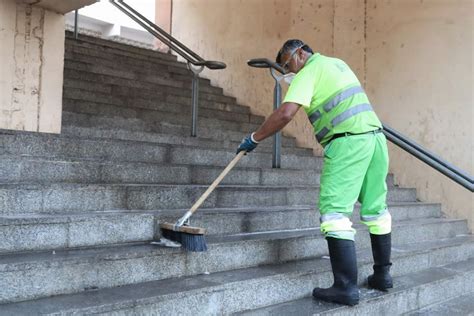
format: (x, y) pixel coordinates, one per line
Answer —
(301, 89)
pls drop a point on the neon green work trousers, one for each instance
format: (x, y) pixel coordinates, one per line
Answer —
(355, 169)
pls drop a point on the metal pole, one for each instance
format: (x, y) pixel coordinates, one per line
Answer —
(195, 100)
(76, 18)
(276, 156)
(195, 97)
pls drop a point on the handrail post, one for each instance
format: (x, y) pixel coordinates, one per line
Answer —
(76, 20)
(195, 97)
(276, 155)
(274, 68)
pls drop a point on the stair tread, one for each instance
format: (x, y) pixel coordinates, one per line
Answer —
(235, 187)
(47, 138)
(62, 217)
(310, 306)
(458, 306)
(143, 293)
(105, 161)
(311, 231)
(100, 42)
(144, 249)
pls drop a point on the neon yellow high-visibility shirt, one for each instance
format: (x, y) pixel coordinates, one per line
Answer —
(332, 97)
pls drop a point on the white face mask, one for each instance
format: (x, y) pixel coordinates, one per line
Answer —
(288, 78)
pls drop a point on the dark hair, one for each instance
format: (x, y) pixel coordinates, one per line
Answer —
(289, 46)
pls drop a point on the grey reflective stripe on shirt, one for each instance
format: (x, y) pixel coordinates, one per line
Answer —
(342, 117)
(341, 97)
(350, 113)
(323, 132)
(315, 116)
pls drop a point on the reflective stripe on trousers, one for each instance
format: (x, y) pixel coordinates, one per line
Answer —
(380, 224)
(337, 225)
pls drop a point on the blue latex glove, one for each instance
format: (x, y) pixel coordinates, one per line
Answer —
(248, 144)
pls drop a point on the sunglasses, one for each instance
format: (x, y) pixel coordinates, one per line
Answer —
(286, 65)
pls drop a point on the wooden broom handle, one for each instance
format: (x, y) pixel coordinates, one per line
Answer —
(217, 181)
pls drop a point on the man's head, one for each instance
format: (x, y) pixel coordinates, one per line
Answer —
(293, 55)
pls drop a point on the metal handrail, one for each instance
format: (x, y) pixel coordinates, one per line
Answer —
(265, 63)
(459, 176)
(274, 67)
(76, 23)
(442, 166)
(196, 63)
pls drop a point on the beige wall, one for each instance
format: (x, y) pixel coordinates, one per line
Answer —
(236, 31)
(414, 57)
(420, 76)
(32, 54)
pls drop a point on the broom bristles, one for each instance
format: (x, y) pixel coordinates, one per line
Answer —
(189, 242)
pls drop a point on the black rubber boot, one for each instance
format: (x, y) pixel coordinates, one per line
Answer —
(344, 268)
(381, 249)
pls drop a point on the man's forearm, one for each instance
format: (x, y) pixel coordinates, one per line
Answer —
(276, 121)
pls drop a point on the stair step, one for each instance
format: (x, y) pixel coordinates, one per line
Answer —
(94, 43)
(167, 134)
(69, 146)
(27, 169)
(146, 79)
(103, 83)
(138, 124)
(97, 63)
(456, 306)
(145, 147)
(94, 59)
(21, 198)
(34, 232)
(217, 293)
(78, 100)
(207, 127)
(410, 293)
(206, 152)
(165, 87)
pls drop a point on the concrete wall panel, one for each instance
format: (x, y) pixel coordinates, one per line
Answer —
(7, 66)
(31, 83)
(50, 110)
(420, 77)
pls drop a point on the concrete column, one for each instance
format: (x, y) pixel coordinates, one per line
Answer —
(32, 52)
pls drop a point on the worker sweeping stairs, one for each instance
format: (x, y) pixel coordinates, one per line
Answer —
(80, 209)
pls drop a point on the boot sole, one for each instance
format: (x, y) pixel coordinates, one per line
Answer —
(349, 302)
(384, 289)
(381, 287)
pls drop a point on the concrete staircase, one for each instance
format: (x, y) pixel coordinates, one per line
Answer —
(78, 210)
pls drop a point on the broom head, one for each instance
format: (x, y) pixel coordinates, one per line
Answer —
(190, 238)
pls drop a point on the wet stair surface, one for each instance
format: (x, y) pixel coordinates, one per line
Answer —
(78, 210)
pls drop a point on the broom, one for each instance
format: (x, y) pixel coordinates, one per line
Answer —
(192, 238)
